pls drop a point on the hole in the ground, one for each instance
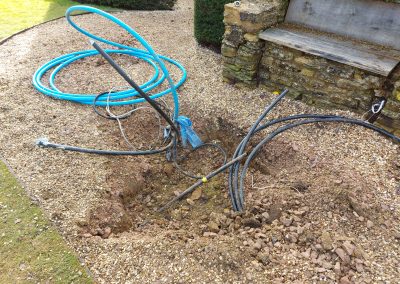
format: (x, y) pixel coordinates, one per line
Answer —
(141, 185)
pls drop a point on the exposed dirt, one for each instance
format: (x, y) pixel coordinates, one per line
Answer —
(322, 201)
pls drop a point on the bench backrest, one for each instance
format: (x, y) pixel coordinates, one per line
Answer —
(369, 20)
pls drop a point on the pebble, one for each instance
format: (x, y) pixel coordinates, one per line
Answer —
(196, 194)
(336, 269)
(307, 253)
(265, 215)
(251, 222)
(370, 224)
(286, 221)
(343, 255)
(263, 258)
(348, 247)
(107, 233)
(213, 227)
(345, 280)
(17, 221)
(359, 267)
(274, 213)
(257, 245)
(209, 234)
(326, 241)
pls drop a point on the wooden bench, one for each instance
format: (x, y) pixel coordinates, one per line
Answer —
(360, 33)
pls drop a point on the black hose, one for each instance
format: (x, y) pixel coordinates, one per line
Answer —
(135, 86)
(236, 187)
(44, 143)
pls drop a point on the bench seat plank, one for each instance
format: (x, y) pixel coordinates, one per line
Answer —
(363, 56)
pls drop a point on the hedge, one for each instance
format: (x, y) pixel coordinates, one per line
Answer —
(134, 4)
(208, 22)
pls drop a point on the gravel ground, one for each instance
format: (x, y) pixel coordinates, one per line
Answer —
(323, 204)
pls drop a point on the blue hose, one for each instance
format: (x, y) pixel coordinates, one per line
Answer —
(127, 97)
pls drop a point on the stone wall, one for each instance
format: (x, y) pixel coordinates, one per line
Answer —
(249, 61)
(241, 47)
(325, 83)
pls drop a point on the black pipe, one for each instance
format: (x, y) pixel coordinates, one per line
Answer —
(134, 85)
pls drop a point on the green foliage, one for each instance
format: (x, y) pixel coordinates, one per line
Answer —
(134, 4)
(208, 21)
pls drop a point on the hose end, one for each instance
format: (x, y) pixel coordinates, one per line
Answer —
(42, 142)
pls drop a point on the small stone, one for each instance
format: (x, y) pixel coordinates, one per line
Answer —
(345, 280)
(319, 248)
(251, 222)
(196, 194)
(210, 234)
(286, 221)
(22, 266)
(359, 253)
(213, 227)
(343, 255)
(326, 265)
(274, 212)
(338, 181)
(190, 202)
(348, 247)
(87, 235)
(359, 267)
(169, 169)
(257, 245)
(265, 215)
(370, 224)
(107, 233)
(263, 258)
(307, 253)
(17, 221)
(326, 241)
(260, 236)
(336, 269)
(320, 269)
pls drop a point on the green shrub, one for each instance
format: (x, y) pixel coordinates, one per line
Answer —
(134, 4)
(208, 21)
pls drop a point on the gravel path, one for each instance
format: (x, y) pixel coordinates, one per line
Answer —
(69, 186)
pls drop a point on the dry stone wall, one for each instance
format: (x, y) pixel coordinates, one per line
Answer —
(241, 47)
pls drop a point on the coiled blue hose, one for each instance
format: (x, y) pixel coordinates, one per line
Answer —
(126, 97)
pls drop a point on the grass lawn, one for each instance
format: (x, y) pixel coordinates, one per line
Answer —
(16, 15)
(31, 251)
